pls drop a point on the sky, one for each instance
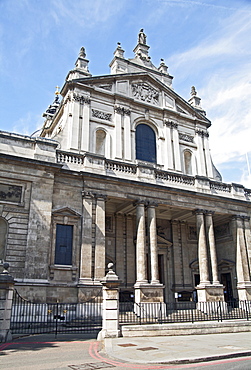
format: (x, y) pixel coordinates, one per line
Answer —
(205, 43)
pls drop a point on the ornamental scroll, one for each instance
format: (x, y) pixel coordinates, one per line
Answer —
(10, 193)
(145, 92)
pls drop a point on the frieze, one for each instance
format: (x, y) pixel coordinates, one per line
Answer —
(10, 193)
(171, 124)
(202, 133)
(145, 92)
(101, 115)
(82, 99)
(186, 137)
(121, 110)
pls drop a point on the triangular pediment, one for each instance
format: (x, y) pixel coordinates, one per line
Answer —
(65, 211)
(145, 88)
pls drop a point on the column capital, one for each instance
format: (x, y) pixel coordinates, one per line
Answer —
(152, 204)
(171, 124)
(199, 211)
(100, 196)
(122, 110)
(140, 202)
(209, 213)
(87, 194)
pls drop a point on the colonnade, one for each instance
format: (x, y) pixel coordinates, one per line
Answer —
(92, 264)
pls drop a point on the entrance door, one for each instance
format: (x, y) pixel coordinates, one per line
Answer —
(226, 281)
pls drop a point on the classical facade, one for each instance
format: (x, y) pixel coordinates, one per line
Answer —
(122, 173)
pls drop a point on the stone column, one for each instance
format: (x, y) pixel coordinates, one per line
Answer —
(153, 243)
(168, 147)
(110, 323)
(141, 244)
(118, 133)
(248, 239)
(6, 297)
(75, 122)
(85, 135)
(202, 248)
(242, 266)
(176, 148)
(127, 135)
(99, 269)
(209, 165)
(212, 247)
(86, 245)
(200, 155)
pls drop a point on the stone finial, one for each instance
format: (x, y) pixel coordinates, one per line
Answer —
(119, 52)
(195, 101)
(142, 37)
(163, 67)
(193, 91)
(82, 53)
(82, 63)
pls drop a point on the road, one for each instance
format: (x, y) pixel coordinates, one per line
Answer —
(86, 353)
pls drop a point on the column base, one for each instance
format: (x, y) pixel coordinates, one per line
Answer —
(244, 291)
(210, 293)
(145, 292)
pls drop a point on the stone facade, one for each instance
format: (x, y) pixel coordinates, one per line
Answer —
(121, 173)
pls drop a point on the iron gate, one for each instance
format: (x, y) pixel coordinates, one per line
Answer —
(39, 318)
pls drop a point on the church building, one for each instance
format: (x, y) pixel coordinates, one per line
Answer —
(121, 172)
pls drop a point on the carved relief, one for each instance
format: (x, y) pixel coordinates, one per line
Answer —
(145, 92)
(186, 137)
(10, 193)
(101, 115)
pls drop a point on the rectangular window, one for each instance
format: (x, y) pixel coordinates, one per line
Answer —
(63, 250)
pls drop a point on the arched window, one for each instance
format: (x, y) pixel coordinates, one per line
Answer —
(145, 143)
(3, 235)
(188, 162)
(100, 142)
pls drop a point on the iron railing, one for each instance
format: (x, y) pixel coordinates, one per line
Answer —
(153, 313)
(38, 318)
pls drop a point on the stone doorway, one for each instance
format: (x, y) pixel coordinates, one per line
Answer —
(227, 282)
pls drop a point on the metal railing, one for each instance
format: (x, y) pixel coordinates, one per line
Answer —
(38, 318)
(158, 313)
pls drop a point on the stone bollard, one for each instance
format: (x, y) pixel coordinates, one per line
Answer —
(6, 297)
(110, 323)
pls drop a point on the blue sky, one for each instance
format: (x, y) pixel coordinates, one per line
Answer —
(205, 43)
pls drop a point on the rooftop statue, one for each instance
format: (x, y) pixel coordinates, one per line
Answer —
(142, 37)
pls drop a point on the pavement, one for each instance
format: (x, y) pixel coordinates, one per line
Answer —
(80, 351)
(179, 349)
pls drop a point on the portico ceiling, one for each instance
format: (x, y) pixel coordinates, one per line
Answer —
(120, 206)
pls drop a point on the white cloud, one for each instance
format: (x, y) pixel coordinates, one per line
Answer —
(221, 69)
(26, 124)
